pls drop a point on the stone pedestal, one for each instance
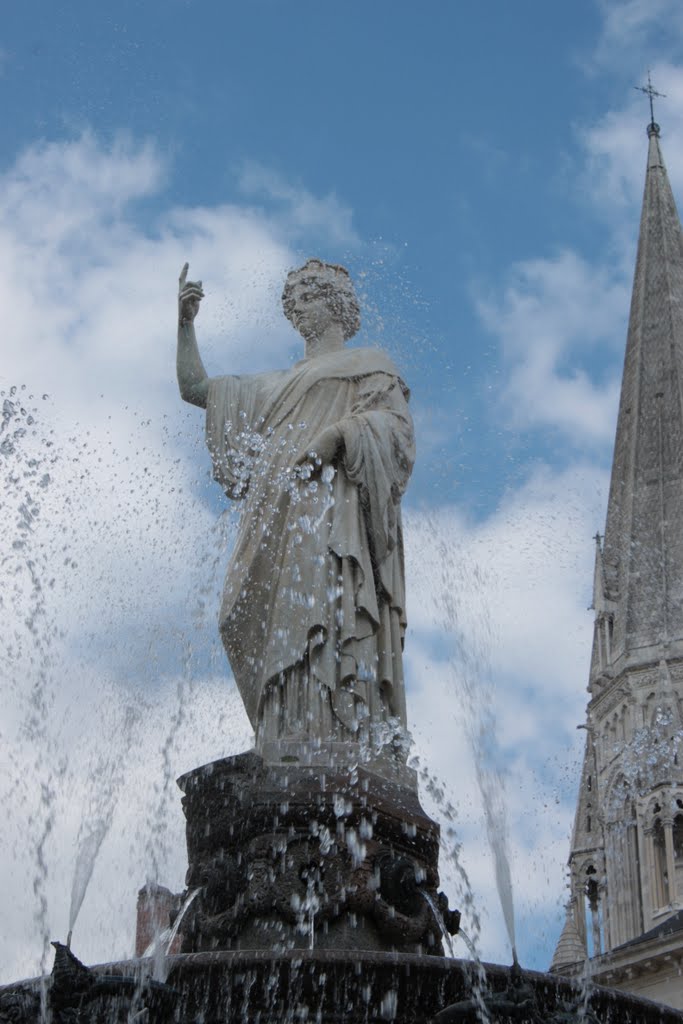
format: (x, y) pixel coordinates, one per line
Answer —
(291, 856)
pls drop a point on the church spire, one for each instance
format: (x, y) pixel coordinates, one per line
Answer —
(642, 552)
(626, 859)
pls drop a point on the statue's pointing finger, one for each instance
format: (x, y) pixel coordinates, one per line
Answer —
(190, 294)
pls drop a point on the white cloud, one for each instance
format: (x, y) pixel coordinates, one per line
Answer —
(93, 296)
(559, 317)
(551, 312)
(508, 598)
(301, 211)
(633, 28)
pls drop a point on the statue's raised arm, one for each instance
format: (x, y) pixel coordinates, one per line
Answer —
(192, 377)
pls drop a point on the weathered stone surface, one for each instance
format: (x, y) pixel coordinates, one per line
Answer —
(289, 856)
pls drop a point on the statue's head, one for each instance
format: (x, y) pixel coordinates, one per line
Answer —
(318, 292)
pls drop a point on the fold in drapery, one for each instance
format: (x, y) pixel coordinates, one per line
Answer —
(313, 611)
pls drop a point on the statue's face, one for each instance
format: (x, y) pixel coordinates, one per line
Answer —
(319, 295)
(311, 312)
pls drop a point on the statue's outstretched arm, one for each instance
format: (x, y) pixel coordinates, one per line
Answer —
(193, 380)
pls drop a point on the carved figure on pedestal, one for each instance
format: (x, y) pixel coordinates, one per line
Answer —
(313, 610)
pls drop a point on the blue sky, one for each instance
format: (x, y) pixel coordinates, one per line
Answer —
(479, 169)
(443, 135)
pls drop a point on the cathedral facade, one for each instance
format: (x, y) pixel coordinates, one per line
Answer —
(625, 914)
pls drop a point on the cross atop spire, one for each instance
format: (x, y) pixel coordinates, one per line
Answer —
(651, 92)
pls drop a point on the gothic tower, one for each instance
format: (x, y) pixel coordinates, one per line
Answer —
(626, 859)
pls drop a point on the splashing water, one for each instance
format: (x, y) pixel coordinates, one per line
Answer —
(157, 845)
(306, 909)
(105, 778)
(471, 673)
(586, 988)
(492, 790)
(26, 465)
(89, 844)
(434, 791)
(471, 948)
(95, 542)
(438, 917)
(479, 982)
(476, 687)
(160, 946)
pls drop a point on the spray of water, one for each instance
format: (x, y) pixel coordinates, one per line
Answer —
(161, 945)
(27, 461)
(105, 778)
(157, 848)
(473, 681)
(492, 788)
(438, 917)
(91, 558)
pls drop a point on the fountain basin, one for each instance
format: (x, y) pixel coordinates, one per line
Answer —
(348, 987)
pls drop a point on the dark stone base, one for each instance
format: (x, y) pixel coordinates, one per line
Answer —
(294, 856)
(328, 987)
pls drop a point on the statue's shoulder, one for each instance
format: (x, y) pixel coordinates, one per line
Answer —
(263, 380)
(374, 360)
(358, 362)
(377, 357)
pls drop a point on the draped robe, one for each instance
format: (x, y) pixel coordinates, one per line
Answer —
(313, 609)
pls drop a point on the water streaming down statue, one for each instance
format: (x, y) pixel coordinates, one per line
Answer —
(316, 838)
(313, 611)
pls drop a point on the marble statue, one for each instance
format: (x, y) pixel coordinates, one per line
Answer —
(319, 454)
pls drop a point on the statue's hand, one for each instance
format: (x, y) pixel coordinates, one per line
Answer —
(324, 449)
(190, 294)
